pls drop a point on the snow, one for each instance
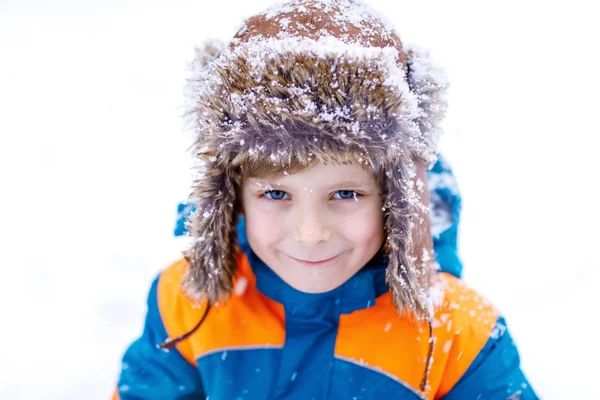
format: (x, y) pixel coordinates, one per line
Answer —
(92, 165)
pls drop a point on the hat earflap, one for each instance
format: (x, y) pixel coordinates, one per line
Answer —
(212, 255)
(403, 208)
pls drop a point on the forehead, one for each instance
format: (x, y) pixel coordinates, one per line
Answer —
(320, 175)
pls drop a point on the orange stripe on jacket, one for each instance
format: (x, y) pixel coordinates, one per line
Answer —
(398, 346)
(460, 341)
(246, 320)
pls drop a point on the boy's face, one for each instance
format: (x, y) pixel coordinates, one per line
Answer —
(315, 228)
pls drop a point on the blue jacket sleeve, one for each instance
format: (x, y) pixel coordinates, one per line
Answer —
(445, 207)
(150, 373)
(496, 373)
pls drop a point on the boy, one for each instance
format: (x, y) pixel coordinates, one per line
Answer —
(312, 272)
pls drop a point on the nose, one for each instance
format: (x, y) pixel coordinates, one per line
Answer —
(311, 226)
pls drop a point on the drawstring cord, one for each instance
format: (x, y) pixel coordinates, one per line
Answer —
(169, 344)
(429, 357)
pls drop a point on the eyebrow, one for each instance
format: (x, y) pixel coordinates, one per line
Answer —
(350, 184)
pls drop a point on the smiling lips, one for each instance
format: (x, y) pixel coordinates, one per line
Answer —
(314, 263)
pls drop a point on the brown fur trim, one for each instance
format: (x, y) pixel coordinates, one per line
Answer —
(430, 84)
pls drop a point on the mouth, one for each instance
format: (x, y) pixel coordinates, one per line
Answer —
(315, 263)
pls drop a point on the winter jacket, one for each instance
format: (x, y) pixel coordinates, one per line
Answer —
(324, 81)
(270, 341)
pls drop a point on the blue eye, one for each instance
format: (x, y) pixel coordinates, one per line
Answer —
(345, 194)
(275, 194)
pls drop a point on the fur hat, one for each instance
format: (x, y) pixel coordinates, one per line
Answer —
(324, 80)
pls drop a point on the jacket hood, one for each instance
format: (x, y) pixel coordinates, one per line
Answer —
(314, 80)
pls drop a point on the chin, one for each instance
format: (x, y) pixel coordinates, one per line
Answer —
(316, 282)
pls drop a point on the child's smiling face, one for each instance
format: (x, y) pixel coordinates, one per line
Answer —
(317, 227)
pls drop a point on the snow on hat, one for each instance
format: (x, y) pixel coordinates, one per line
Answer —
(324, 80)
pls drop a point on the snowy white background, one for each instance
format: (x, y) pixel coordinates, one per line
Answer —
(93, 162)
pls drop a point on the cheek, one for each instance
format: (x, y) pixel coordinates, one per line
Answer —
(263, 227)
(364, 226)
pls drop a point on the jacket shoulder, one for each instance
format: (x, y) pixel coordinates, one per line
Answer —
(178, 312)
(246, 319)
(466, 307)
(463, 323)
